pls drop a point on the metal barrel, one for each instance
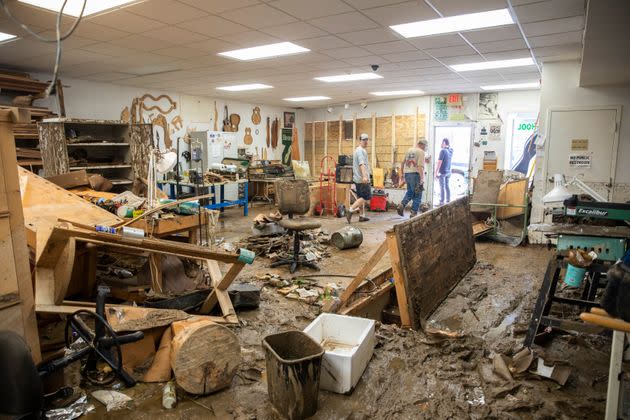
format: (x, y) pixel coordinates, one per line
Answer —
(347, 237)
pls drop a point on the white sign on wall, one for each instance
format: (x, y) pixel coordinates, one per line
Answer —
(580, 160)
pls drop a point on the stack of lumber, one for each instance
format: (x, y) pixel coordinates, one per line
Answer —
(21, 83)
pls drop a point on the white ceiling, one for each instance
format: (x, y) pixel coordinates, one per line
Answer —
(180, 40)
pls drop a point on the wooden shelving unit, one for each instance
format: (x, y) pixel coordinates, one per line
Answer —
(113, 149)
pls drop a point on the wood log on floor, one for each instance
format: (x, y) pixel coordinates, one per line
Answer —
(204, 356)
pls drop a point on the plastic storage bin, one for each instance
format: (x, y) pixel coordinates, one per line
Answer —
(348, 343)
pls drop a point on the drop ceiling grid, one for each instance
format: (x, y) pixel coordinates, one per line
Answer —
(345, 35)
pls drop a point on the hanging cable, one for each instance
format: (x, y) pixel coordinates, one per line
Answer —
(58, 37)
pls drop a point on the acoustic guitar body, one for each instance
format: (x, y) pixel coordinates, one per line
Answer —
(256, 116)
(235, 120)
(248, 139)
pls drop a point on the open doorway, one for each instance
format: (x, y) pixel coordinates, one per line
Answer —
(460, 138)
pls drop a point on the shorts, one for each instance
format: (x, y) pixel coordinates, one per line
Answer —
(363, 191)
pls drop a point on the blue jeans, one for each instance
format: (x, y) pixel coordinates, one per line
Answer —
(445, 189)
(414, 191)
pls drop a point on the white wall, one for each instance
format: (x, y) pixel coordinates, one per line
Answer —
(560, 89)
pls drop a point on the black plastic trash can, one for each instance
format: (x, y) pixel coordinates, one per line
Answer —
(293, 369)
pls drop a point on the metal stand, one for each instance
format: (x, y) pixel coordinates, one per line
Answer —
(595, 279)
(296, 261)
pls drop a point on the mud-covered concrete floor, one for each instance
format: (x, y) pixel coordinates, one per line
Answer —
(411, 375)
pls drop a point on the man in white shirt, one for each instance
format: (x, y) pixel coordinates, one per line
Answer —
(361, 179)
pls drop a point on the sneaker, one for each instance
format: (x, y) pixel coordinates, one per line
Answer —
(363, 219)
(400, 210)
(413, 214)
(349, 216)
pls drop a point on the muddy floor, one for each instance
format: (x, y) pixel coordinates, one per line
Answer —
(411, 375)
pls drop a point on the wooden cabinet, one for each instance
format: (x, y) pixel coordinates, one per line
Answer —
(116, 150)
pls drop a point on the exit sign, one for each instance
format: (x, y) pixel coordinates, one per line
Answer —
(454, 99)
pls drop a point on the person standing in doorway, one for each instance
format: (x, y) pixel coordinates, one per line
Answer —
(413, 169)
(443, 171)
(361, 179)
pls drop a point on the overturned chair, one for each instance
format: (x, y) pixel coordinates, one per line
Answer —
(293, 198)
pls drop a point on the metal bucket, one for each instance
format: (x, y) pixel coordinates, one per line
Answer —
(347, 237)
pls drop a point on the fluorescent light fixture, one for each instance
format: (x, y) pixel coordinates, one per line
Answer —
(528, 85)
(251, 86)
(349, 77)
(307, 98)
(457, 23)
(498, 64)
(73, 7)
(6, 37)
(265, 51)
(398, 92)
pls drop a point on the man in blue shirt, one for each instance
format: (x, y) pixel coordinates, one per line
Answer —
(443, 171)
(361, 179)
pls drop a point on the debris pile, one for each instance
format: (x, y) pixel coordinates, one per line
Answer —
(302, 289)
(313, 245)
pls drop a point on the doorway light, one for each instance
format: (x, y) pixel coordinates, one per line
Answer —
(6, 37)
(528, 85)
(398, 92)
(265, 51)
(239, 88)
(349, 77)
(73, 7)
(307, 98)
(498, 64)
(457, 23)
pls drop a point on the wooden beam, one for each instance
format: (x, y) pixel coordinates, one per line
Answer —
(363, 272)
(313, 147)
(340, 135)
(415, 127)
(366, 300)
(325, 144)
(373, 138)
(393, 139)
(219, 288)
(354, 131)
(399, 283)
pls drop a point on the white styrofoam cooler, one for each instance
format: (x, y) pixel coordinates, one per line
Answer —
(348, 343)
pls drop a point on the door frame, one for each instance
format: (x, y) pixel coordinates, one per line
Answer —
(469, 124)
(613, 166)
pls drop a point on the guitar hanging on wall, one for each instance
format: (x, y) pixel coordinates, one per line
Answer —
(248, 139)
(256, 115)
(226, 121)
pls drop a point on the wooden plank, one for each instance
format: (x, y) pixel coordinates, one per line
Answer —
(399, 282)
(222, 286)
(363, 272)
(512, 193)
(13, 250)
(70, 179)
(436, 249)
(363, 302)
(155, 265)
(373, 141)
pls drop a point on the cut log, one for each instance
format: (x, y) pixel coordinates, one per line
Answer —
(204, 356)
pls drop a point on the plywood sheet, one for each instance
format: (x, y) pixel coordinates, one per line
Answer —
(319, 130)
(486, 189)
(404, 131)
(308, 131)
(512, 193)
(44, 202)
(436, 249)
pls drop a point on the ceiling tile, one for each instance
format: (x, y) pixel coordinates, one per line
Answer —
(461, 59)
(258, 16)
(347, 52)
(213, 45)
(98, 32)
(109, 49)
(415, 64)
(369, 36)
(459, 7)
(35, 16)
(438, 41)
(368, 4)
(12, 52)
(556, 39)
(389, 47)
(250, 39)
(166, 11)
(498, 46)
(324, 43)
(75, 41)
(508, 55)
(495, 34)
(566, 52)
(365, 61)
(345, 22)
(405, 56)
(554, 26)
(450, 51)
(410, 11)
(309, 9)
(294, 31)
(174, 35)
(546, 10)
(213, 26)
(140, 42)
(219, 6)
(178, 52)
(130, 22)
(107, 77)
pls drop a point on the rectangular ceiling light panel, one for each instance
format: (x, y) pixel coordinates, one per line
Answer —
(307, 98)
(239, 88)
(498, 64)
(265, 51)
(6, 37)
(349, 77)
(398, 92)
(457, 23)
(513, 86)
(73, 7)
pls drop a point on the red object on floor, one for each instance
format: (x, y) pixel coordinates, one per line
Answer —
(378, 203)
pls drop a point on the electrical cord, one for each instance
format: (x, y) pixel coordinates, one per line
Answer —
(58, 37)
